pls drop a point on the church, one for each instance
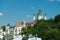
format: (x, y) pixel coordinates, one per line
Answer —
(17, 28)
(39, 16)
(23, 24)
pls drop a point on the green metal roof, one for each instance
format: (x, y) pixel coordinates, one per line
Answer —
(39, 13)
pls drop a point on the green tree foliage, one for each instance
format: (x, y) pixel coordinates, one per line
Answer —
(45, 29)
(3, 27)
(52, 34)
(57, 18)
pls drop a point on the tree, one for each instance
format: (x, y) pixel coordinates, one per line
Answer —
(46, 29)
(52, 34)
(57, 19)
(4, 28)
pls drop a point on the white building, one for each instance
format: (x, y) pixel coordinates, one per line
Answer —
(7, 29)
(19, 26)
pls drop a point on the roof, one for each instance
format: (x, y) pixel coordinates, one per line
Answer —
(39, 13)
(32, 22)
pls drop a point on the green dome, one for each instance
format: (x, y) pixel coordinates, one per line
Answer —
(39, 13)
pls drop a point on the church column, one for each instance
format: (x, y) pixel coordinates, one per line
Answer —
(15, 30)
(8, 31)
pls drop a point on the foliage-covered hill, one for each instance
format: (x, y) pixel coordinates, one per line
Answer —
(45, 29)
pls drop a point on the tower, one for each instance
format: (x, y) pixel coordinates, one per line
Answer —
(34, 17)
(45, 18)
(7, 29)
(39, 15)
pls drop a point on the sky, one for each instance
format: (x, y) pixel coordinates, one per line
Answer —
(12, 11)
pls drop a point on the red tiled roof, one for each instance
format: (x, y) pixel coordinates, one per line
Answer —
(32, 23)
(21, 23)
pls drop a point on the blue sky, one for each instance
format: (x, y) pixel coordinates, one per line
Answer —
(12, 11)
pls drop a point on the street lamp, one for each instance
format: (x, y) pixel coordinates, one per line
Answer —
(36, 37)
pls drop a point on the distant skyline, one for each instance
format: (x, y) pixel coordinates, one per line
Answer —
(12, 11)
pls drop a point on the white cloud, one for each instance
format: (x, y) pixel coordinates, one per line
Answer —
(1, 14)
(51, 0)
